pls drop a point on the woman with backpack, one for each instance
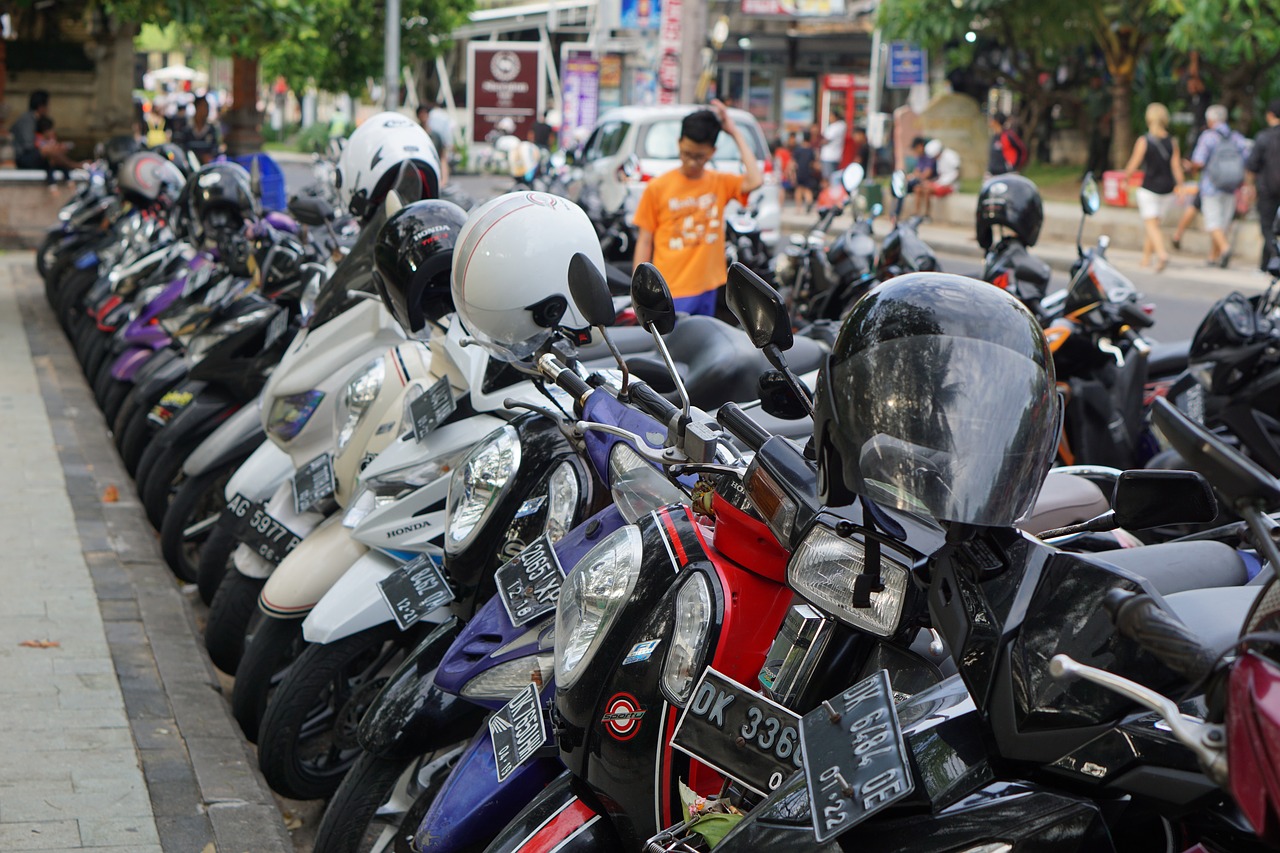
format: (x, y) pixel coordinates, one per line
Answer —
(1219, 158)
(1157, 153)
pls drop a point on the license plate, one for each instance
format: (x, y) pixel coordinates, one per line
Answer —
(169, 406)
(313, 483)
(276, 328)
(258, 531)
(739, 733)
(529, 584)
(432, 408)
(1191, 403)
(855, 763)
(518, 730)
(414, 590)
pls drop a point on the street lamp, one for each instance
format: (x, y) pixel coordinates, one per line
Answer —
(745, 44)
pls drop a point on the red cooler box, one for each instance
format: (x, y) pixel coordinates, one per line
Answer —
(1116, 191)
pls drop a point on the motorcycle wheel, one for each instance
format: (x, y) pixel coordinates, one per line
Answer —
(308, 742)
(114, 397)
(215, 562)
(269, 652)
(101, 381)
(164, 479)
(85, 340)
(46, 255)
(70, 292)
(230, 613)
(379, 804)
(153, 453)
(190, 518)
(135, 439)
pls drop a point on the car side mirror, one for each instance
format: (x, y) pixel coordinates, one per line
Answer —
(778, 397)
(1154, 498)
(1090, 197)
(590, 291)
(652, 300)
(759, 309)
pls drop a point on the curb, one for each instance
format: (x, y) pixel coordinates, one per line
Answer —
(201, 776)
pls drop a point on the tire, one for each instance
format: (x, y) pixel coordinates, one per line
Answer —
(355, 820)
(307, 742)
(191, 517)
(98, 356)
(85, 340)
(230, 613)
(135, 439)
(114, 397)
(164, 479)
(46, 256)
(70, 292)
(127, 409)
(215, 562)
(101, 381)
(269, 652)
(154, 451)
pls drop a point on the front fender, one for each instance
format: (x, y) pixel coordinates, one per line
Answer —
(235, 438)
(353, 603)
(411, 716)
(311, 569)
(261, 474)
(198, 419)
(126, 366)
(564, 817)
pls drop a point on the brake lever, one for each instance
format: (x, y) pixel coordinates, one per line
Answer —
(1208, 742)
(664, 456)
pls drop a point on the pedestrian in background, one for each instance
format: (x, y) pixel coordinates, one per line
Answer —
(1219, 159)
(1157, 154)
(833, 143)
(1263, 174)
(805, 171)
(1008, 151)
(200, 136)
(782, 167)
(440, 126)
(1097, 113)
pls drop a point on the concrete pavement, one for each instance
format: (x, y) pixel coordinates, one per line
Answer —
(114, 736)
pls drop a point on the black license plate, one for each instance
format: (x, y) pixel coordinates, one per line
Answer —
(529, 585)
(432, 408)
(169, 406)
(258, 531)
(313, 483)
(519, 730)
(1191, 402)
(739, 733)
(414, 590)
(855, 763)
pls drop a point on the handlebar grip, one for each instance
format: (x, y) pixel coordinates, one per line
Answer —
(652, 402)
(740, 424)
(1135, 316)
(573, 384)
(1159, 632)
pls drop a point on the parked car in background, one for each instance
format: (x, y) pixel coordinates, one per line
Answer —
(650, 135)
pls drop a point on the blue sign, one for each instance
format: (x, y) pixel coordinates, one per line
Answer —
(908, 65)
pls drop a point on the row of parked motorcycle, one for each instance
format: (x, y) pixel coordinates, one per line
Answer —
(503, 559)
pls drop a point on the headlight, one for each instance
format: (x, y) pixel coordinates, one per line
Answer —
(376, 492)
(638, 488)
(358, 396)
(207, 340)
(507, 679)
(290, 414)
(684, 658)
(562, 501)
(477, 485)
(591, 597)
(364, 503)
(823, 570)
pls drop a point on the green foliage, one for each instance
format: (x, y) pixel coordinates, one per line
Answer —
(315, 139)
(1225, 32)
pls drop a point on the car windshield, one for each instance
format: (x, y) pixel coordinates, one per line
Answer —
(660, 143)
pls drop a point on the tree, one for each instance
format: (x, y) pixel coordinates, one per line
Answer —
(1122, 29)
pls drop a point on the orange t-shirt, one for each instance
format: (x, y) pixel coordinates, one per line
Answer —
(687, 221)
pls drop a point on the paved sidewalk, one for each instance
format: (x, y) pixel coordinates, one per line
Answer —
(117, 737)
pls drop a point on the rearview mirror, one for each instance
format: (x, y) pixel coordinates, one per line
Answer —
(778, 397)
(851, 178)
(1154, 498)
(652, 299)
(590, 291)
(1090, 198)
(898, 184)
(759, 309)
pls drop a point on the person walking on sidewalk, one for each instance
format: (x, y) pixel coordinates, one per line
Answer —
(681, 214)
(1008, 151)
(1219, 159)
(805, 171)
(833, 143)
(1157, 153)
(1263, 169)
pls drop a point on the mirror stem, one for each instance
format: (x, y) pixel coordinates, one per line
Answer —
(1262, 526)
(778, 360)
(617, 356)
(671, 368)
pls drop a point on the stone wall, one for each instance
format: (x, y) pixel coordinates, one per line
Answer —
(957, 121)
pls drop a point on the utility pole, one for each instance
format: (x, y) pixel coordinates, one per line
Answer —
(391, 58)
(693, 31)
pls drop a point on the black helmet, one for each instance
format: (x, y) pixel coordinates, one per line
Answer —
(1014, 202)
(221, 198)
(117, 149)
(175, 155)
(938, 398)
(413, 260)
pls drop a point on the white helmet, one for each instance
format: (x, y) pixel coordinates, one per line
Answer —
(511, 271)
(371, 158)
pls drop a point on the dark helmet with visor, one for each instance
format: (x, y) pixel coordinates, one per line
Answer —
(413, 261)
(938, 398)
(1013, 202)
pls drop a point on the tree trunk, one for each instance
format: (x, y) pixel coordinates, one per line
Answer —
(1121, 118)
(244, 120)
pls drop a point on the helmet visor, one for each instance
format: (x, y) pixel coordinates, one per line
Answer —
(951, 427)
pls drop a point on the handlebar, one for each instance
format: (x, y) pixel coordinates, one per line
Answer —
(651, 401)
(1135, 316)
(740, 424)
(1139, 618)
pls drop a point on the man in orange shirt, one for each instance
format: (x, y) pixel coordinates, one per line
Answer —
(681, 214)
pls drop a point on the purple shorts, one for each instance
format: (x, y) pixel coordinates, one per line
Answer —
(703, 303)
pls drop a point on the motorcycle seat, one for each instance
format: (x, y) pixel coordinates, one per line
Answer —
(1175, 567)
(1169, 358)
(716, 361)
(1030, 269)
(1065, 499)
(1214, 615)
